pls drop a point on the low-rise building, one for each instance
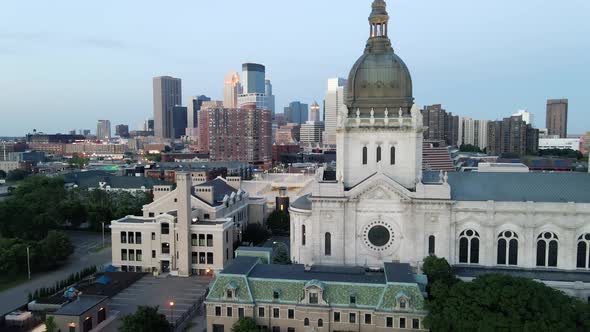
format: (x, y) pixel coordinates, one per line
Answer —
(81, 315)
(559, 143)
(299, 298)
(102, 180)
(191, 230)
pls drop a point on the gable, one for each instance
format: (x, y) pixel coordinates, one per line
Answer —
(380, 187)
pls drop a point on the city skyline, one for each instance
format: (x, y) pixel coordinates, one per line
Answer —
(500, 58)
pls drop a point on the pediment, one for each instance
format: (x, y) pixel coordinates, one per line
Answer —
(380, 188)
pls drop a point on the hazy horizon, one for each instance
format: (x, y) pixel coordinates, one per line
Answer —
(67, 64)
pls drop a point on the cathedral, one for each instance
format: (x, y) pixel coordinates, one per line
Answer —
(379, 206)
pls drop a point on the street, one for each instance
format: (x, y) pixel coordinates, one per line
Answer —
(85, 255)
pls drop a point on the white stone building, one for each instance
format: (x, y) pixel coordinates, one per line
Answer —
(187, 231)
(378, 206)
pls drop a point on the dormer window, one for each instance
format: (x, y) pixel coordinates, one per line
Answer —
(402, 304)
(353, 299)
(313, 298)
(402, 300)
(229, 294)
(276, 294)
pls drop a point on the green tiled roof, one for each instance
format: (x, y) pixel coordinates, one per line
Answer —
(366, 295)
(289, 291)
(235, 282)
(393, 292)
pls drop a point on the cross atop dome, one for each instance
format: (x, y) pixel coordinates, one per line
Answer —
(378, 19)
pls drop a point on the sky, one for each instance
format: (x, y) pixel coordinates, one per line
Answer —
(65, 64)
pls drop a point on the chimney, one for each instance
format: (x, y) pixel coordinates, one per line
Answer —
(183, 226)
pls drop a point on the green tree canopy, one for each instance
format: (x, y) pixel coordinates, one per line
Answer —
(469, 148)
(17, 175)
(50, 325)
(502, 303)
(281, 254)
(2, 174)
(245, 324)
(255, 233)
(145, 319)
(279, 222)
(438, 269)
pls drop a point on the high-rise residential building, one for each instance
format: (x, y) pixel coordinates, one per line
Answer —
(232, 88)
(179, 121)
(103, 130)
(557, 117)
(512, 135)
(243, 134)
(269, 96)
(256, 88)
(440, 124)
(527, 116)
(314, 112)
(193, 107)
(311, 133)
(333, 105)
(167, 94)
(296, 112)
(122, 130)
(473, 132)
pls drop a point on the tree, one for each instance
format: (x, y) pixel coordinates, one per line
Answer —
(255, 234)
(496, 302)
(145, 319)
(469, 148)
(279, 222)
(57, 246)
(438, 269)
(281, 254)
(78, 162)
(245, 324)
(16, 175)
(2, 174)
(50, 325)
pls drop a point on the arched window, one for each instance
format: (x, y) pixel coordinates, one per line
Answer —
(469, 247)
(507, 248)
(364, 155)
(378, 154)
(302, 235)
(392, 155)
(320, 322)
(547, 245)
(328, 244)
(583, 256)
(306, 322)
(431, 243)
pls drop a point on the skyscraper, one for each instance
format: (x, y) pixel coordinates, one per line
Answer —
(256, 88)
(179, 121)
(269, 96)
(314, 114)
(473, 132)
(236, 134)
(193, 107)
(557, 117)
(296, 112)
(527, 116)
(254, 76)
(122, 130)
(167, 94)
(232, 88)
(440, 124)
(512, 135)
(103, 130)
(311, 133)
(333, 105)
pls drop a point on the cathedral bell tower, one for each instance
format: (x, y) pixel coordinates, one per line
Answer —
(382, 130)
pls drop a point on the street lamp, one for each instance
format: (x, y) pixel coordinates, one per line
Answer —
(172, 312)
(29, 262)
(103, 234)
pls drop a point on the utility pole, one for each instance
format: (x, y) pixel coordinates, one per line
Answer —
(103, 234)
(28, 263)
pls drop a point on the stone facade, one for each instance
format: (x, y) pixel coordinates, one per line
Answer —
(188, 231)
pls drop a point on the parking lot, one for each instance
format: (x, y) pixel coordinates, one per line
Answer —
(152, 291)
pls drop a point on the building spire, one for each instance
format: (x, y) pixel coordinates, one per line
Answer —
(378, 19)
